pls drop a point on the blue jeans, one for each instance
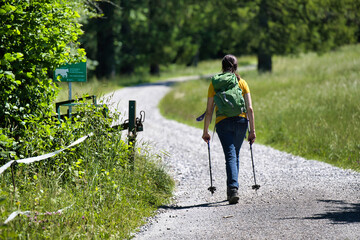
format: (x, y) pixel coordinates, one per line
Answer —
(231, 132)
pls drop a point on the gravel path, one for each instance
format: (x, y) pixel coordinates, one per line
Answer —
(298, 198)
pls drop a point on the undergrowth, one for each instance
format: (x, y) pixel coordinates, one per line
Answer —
(99, 193)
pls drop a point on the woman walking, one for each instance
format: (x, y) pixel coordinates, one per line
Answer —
(230, 129)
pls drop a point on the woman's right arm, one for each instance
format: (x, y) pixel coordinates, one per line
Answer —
(251, 117)
(208, 115)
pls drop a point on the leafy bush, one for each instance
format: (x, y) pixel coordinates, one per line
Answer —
(35, 38)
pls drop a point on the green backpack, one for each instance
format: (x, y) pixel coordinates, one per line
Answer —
(228, 97)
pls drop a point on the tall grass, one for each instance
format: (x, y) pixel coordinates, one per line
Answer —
(308, 106)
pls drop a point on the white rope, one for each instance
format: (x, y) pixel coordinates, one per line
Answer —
(45, 156)
(27, 213)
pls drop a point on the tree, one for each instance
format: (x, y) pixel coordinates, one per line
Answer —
(105, 41)
(128, 37)
(35, 38)
(329, 24)
(285, 27)
(161, 34)
(151, 33)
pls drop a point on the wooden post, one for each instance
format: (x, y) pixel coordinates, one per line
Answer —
(13, 177)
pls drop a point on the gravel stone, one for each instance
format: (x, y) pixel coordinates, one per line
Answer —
(298, 198)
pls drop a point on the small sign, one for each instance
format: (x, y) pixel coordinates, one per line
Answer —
(75, 72)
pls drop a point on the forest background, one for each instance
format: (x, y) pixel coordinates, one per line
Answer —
(143, 35)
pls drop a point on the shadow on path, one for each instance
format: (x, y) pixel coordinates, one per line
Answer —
(212, 204)
(340, 212)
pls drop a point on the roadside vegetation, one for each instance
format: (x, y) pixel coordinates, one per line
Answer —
(308, 106)
(101, 194)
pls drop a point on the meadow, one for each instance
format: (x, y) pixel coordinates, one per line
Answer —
(308, 106)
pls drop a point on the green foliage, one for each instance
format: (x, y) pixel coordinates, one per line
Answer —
(156, 33)
(106, 199)
(308, 106)
(326, 25)
(35, 38)
(150, 33)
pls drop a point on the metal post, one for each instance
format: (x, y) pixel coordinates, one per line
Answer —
(70, 97)
(132, 118)
(132, 130)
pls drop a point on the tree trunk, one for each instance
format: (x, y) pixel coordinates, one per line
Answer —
(264, 55)
(264, 62)
(195, 60)
(127, 64)
(153, 45)
(105, 42)
(154, 69)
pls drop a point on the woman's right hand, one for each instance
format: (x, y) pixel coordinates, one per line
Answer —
(251, 137)
(206, 137)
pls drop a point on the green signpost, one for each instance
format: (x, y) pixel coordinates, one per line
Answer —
(75, 72)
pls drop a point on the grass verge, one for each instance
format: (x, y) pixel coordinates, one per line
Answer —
(308, 106)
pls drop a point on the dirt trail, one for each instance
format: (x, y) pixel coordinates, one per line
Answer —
(298, 198)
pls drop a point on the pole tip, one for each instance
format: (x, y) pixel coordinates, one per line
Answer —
(212, 189)
(256, 187)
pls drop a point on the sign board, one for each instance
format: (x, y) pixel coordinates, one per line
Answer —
(75, 72)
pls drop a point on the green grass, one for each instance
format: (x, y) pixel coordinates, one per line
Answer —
(308, 106)
(92, 87)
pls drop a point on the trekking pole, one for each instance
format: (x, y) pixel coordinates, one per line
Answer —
(256, 186)
(212, 189)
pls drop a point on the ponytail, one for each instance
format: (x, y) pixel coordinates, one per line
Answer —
(229, 64)
(237, 76)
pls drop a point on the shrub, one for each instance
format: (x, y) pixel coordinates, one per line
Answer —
(35, 37)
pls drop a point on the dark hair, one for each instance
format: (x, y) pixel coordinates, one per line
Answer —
(229, 64)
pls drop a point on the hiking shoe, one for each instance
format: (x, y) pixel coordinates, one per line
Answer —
(233, 196)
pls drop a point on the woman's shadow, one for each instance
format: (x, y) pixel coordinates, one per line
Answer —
(203, 205)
